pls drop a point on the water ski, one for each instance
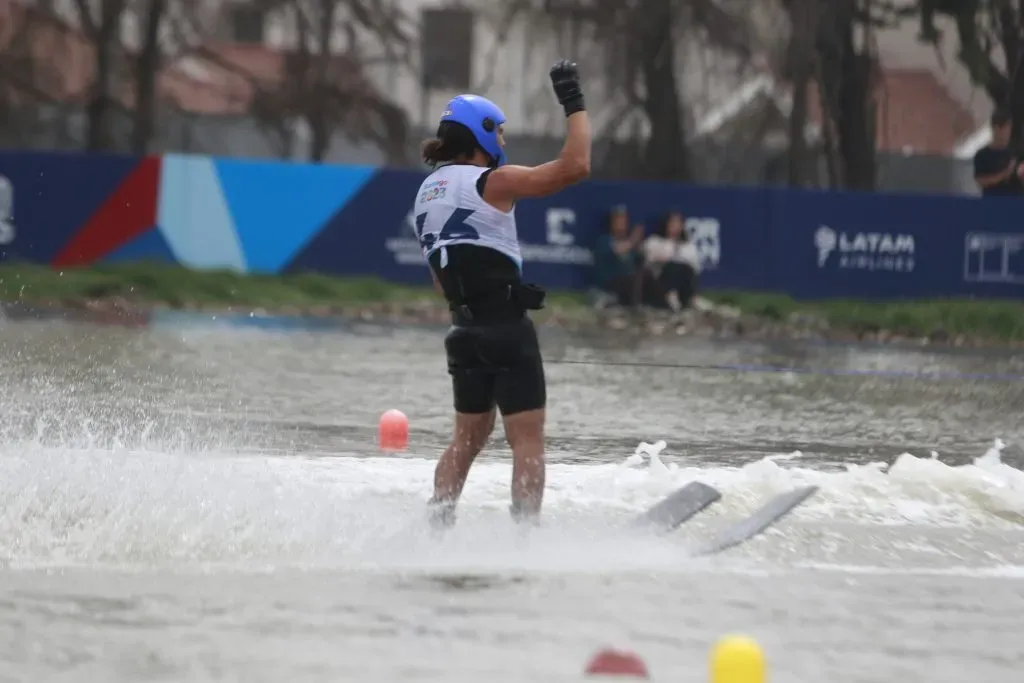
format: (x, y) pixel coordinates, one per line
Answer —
(678, 507)
(689, 501)
(762, 518)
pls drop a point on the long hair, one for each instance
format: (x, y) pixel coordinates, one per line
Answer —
(684, 236)
(453, 142)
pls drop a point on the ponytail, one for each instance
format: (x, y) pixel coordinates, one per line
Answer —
(434, 152)
(454, 142)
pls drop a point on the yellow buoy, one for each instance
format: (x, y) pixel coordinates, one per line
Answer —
(737, 659)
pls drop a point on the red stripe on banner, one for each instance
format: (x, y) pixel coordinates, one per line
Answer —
(128, 212)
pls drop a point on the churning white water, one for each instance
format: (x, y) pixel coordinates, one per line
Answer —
(210, 506)
(126, 508)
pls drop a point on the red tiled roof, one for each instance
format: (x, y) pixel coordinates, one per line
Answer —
(915, 113)
(39, 52)
(233, 73)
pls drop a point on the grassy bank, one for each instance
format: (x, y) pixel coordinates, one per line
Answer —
(150, 284)
(179, 287)
(175, 287)
(989, 319)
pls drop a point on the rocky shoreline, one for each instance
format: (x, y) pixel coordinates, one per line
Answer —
(706, 320)
(717, 321)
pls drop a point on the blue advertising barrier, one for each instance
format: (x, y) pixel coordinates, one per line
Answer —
(881, 246)
(260, 216)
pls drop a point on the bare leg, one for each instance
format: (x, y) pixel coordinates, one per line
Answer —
(673, 301)
(525, 434)
(471, 432)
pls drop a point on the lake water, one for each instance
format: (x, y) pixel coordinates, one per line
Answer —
(189, 502)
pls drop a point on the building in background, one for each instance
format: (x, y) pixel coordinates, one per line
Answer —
(228, 61)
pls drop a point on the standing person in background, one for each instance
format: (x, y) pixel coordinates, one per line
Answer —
(996, 167)
(673, 259)
(466, 225)
(618, 263)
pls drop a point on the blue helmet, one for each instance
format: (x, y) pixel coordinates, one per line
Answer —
(482, 117)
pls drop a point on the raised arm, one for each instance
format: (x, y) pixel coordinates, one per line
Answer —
(508, 183)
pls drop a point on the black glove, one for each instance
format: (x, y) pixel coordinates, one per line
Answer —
(565, 79)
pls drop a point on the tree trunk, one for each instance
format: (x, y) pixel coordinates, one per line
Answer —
(800, 67)
(1013, 51)
(857, 122)
(1017, 104)
(797, 163)
(101, 103)
(666, 153)
(147, 70)
(319, 114)
(832, 162)
(846, 83)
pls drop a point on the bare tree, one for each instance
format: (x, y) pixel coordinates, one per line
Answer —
(641, 42)
(799, 67)
(148, 64)
(270, 107)
(324, 81)
(33, 52)
(991, 40)
(103, 28)
(332, 91)
(848, 70)
(833, 47)
(85, 55)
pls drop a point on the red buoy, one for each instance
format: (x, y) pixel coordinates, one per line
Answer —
(393, 431)
(610, 662)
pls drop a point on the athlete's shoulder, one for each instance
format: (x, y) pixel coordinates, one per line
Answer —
(467, 172)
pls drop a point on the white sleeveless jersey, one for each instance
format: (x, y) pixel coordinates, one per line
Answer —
(449, 211)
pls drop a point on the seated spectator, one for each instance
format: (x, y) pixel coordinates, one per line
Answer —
(618, 263)
(673, 260)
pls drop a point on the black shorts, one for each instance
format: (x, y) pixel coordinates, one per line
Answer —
(496, 364)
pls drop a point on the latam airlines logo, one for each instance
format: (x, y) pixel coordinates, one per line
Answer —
(865, 250)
